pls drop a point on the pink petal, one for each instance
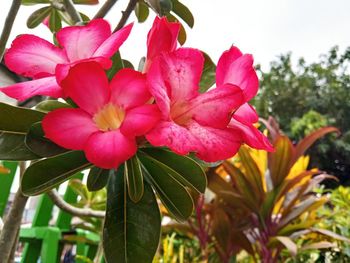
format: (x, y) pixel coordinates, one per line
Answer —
(177, 138)
(250, 134)
(247, 112)
(112, 44)
(138, 121)
(69, 128)
(215, 107)
(34, 57)
(237, 69)
(174, 77)
(87, 85)
(81, 42)
(215, 144)
(109, 149)
(167, 32)
(129, 89)
(24, 90)
(62, 70)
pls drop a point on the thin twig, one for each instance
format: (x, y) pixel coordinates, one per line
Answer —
(82, 212)
(6, 31)
(73, 13)
(126, 14)
(105, 9)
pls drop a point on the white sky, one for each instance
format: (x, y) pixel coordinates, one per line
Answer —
(265, 28)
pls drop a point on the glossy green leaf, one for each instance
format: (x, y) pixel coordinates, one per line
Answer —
(14, 125)
(55, 21)
(127, 64)
(38, 16)
(183, 12)
(141, 11)
(183, 169)
(134, 178)
(50, 105)
(132, 230)
(17, 119)
(84, 17)
(182, 33)
(13, 148)
(47, 174)
(98, 178)
(171, 192)
(208, 74)
(116, 66)
(37, 143)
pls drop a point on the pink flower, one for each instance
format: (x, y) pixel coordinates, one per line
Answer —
(192, 122)
(37, 58)
(109, 117)
(237, 69)
(161, 38)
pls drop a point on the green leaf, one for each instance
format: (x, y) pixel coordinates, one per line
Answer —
(55, 21)
(38, 144)
(50, 105)
(141, 12)
(208, 74)
(134, 178)
(38, 16)
(85, 2)
(16, 119)
(183, 12)
(132, 230)
(182, 33)
(171, 192)
(98, 178)
(47, 174)
(116, 66)
(127, 64)
(14, 124)
(165, 6)
(34, 2)
(13, 148)
(84, 17)
(183, 169)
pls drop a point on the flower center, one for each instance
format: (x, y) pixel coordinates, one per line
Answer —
(110, 117)
(180, 113)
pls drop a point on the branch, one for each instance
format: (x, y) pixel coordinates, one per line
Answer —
(126, 14)
(105, 8)
(8, 26)
(73, 13)
(81, 212)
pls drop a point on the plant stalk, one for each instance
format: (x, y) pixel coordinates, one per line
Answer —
(73, 13)
(6, 31)
(107, 6)
(126, 14)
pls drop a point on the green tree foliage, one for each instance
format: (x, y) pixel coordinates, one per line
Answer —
(305, 93)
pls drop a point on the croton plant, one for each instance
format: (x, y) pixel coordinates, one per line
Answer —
(142, 133)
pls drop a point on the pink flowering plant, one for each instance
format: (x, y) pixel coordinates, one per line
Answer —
(142, 133)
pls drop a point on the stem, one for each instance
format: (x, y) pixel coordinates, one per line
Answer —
(14, 248)
(105, 8)
(126, 14)
(86, 212)
(73, 13)
(8, 26)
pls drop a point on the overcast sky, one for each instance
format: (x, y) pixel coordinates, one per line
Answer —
(265, 28)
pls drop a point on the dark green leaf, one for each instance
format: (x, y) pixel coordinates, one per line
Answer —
(141, 12)
(182, 34)
(208, 74)
(85, 2)
(46, 174)
(16, 119)
(98, 178)
(134, 178)
(38, 144)
(184, 169)
(38, 16)
(116, 66)
(55, 23)
(13, 148)
(127, 64)
(183, 12)
(84, 17)
(50, 105)
(132, 230)
(171, 192)
(165, 6)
